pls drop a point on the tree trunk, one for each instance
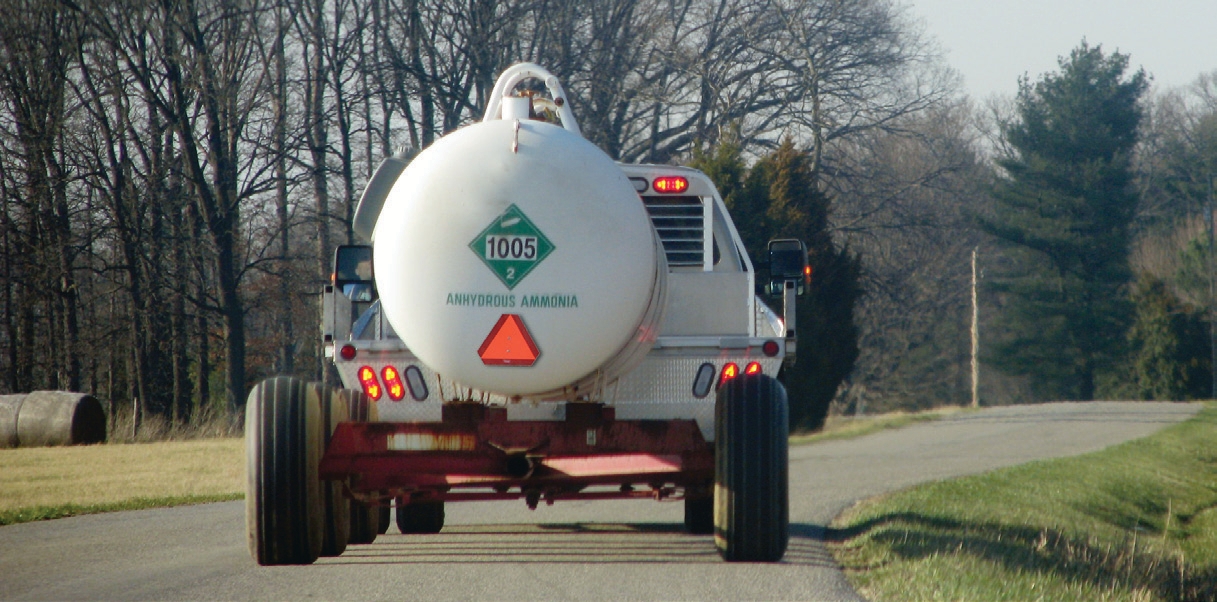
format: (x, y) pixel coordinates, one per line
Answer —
(287, 347)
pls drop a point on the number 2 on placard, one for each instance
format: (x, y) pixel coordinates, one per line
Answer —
(511, 273)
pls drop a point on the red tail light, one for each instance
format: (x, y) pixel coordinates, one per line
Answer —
(393, 383)
(670, 184)
(371, 386)
(753, 368)
(729, 372)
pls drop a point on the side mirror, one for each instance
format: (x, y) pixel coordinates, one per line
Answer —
(353, 273)
(787, 263)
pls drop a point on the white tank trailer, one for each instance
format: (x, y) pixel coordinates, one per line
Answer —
(532, 320)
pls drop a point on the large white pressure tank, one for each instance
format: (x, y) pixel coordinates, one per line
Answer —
(514, 257)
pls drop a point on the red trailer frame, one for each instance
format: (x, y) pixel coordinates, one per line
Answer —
(477, 454)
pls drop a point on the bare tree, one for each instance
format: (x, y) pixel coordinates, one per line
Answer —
(182, 169)
(280, 151)
(910, 219)
(1177, 154)
(197, 65)
(38, 44)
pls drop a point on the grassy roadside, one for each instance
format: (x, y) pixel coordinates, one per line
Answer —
(1133, 522)
(54, 482)
(846, 427)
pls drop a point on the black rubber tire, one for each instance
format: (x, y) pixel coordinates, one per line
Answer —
(364, 522)
(283, 507)
(365, 519)
(751, 473)
(386, 519)
(699, 515)
(420, 517)
(335, 505)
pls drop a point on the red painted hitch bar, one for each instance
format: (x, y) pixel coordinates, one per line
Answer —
(477, 454)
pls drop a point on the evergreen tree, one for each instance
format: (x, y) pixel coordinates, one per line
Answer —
(779, 198)
(746, 197)
(1064, 209)
(1170, 345)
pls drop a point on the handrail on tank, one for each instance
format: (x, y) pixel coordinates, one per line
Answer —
(519, 72)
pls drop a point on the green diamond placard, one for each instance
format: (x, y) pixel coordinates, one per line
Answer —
(511, 246)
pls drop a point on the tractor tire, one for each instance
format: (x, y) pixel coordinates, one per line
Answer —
(336, 506)
(420, 517)
(751, 487)
(365, 519)
(283, 500)
(699, 515)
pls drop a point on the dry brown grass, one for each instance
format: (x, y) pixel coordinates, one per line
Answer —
(110, 474)
(207, 423)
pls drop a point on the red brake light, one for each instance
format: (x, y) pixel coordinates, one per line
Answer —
(729, 372)
(753, 368)
(371, 386)
(393, 383)
(770, 348)
(347, 352)
(670, 184)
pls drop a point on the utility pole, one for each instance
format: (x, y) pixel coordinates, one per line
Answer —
(1208, 223)
(976, 336)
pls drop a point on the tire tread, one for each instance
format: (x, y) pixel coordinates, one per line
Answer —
(751, 493)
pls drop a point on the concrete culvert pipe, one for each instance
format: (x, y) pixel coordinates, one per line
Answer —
(46, 418)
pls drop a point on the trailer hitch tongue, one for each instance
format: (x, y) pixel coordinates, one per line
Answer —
(518, 461)
(519, 465)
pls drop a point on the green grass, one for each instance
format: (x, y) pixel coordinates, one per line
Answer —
(54, 482)
(846, 427)
(1134, 522)
(36, 513)
(48, 483)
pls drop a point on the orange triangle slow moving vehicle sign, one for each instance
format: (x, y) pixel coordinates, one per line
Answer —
(509, 344)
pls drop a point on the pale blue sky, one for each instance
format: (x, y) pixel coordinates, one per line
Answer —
(992, 42)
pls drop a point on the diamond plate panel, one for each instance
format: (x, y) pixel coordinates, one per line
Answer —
(768, 322)
(669, 380)
(407, 409)
(661, 388)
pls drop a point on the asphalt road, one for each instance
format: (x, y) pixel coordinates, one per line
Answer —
(610, 550)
